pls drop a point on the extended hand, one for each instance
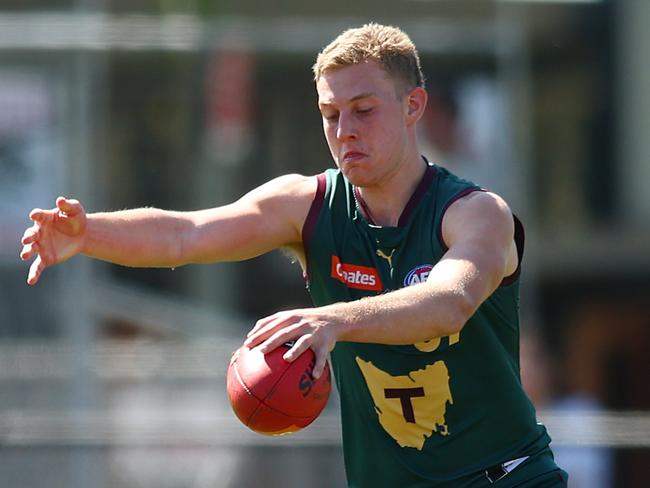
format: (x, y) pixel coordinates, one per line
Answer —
(57, 235)
(311, 328)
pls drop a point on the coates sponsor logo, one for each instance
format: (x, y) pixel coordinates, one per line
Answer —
(419, 274)
(354, 276)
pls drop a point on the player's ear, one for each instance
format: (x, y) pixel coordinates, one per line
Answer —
(416, 102)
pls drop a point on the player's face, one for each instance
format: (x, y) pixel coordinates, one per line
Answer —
(364, 122)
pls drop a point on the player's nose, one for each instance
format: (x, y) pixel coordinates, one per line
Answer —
(346, 128)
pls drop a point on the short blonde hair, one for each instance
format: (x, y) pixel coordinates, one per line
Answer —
(389, 46)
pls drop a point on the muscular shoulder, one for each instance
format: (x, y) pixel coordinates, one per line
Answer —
(481, 214)
(287, 198)
(481, 227)
(291, 189)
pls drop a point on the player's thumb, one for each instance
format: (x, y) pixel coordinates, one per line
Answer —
(71, 219)
(69, 206)
(319, 367)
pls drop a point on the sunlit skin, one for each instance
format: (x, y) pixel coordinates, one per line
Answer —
(369, 122)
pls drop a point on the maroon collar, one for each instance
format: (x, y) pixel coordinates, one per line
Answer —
(419, 192)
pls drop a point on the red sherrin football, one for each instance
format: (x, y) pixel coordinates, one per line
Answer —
(272, 396)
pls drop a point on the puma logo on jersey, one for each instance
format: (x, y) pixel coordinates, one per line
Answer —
(356, 276)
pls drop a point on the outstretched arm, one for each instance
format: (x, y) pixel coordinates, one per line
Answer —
(478, 230)
(266, 218)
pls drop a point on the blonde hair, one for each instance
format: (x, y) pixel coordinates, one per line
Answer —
(389, 46)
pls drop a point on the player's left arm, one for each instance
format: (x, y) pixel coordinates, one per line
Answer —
(478, 231)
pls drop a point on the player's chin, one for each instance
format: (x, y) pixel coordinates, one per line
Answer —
(355, 174)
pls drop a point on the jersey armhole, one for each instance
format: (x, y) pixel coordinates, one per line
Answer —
(519, 236)
(311, 220)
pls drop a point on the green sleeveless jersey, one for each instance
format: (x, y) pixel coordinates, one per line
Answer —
(426, 414)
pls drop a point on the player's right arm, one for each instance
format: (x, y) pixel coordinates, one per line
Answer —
(269, 217)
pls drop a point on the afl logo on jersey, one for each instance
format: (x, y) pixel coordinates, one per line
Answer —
(419, 274)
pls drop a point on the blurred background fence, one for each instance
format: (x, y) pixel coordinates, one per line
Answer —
(114, 377)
